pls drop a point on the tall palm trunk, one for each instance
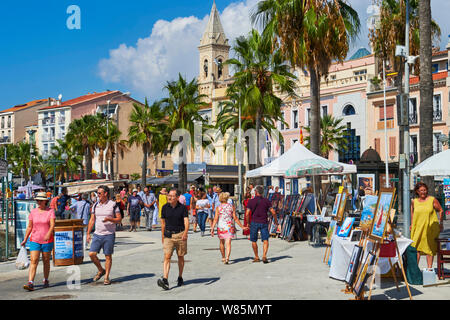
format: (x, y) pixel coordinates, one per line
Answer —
(144, 165)
(426, 87)
(88, 164)
(259, 180)
(111, 166)
(182, 168)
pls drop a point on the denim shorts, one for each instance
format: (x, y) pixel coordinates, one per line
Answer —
(103, 242)
(44, 247)
(263, 227)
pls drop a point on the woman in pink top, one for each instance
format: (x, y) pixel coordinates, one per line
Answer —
(41, 226)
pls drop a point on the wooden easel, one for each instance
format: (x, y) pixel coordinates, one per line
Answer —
(400, 262)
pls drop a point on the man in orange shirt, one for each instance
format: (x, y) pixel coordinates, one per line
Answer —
(54, 202)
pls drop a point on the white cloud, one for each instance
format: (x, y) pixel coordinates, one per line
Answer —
(171, 48)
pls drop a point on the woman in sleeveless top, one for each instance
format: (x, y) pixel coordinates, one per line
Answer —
(225, 214)
(425, 226)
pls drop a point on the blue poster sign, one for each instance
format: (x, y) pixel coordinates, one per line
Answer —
(64, 245)
(22, 209)
(78, 243)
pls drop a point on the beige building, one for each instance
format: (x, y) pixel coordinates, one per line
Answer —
(54, 121)
(15, 121)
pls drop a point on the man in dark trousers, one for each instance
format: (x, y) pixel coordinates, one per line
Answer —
(174, 233)
(258, 208)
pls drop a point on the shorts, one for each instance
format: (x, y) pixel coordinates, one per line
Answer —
(105, 242)
(42, 247)
(175, 243)
(263, 227)
(211, 214)
(135, 214)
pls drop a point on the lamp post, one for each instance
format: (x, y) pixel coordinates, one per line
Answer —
(31, 133)
(54, 161)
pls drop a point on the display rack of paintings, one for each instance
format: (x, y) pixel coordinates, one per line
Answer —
(341, 208)
(374, 233)
(369, 205)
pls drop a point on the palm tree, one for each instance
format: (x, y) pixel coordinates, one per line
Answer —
(426, 85)
(20, 156)
(146, 131)
(44, 168)
(182, 107)
(261, 76)
(84, 133)
(72, 163)
(311, 34)
(116, 146)
(332, 134)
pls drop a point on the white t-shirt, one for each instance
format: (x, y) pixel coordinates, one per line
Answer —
(101, 212)
(202, 204)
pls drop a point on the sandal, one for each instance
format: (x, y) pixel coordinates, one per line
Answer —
(107, 282)
(256, 260)
(226, 261)
(99, 275)
(264, 260)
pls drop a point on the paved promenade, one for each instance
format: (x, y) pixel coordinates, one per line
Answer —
(295, 272)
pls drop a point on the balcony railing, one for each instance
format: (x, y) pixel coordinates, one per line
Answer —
(62, 120)
(413, 118)
(48, 121)
(437, 115)
(5, 139)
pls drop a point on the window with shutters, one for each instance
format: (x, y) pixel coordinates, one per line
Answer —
(392, 147)
(389, 112)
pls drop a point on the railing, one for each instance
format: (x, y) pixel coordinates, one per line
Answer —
(437, 115)
(62, 120)
(413, 118)
(48, 121)
(5, 140)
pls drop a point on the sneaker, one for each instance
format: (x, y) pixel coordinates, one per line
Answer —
(163, 283)
(46, 284)
(203, 233)
(180, 281)
(29, 286)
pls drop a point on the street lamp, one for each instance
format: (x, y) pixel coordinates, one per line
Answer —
(54, 161)
(31, 133)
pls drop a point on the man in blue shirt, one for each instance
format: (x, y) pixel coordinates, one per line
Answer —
(61, 204)
(188, 197)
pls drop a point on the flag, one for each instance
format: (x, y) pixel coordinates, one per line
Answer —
(301, 135)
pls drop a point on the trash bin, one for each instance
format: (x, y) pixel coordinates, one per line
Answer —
(68, 246)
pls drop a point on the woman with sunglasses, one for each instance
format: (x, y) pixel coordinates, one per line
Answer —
(40, 230)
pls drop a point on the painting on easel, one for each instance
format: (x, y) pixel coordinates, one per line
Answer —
(383, 209)
(346, 227)
(363, 274)
(370, 204)
(336, 205)
(353, 265)
(342, 203)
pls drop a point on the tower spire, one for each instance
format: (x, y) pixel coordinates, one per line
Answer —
(214, 33)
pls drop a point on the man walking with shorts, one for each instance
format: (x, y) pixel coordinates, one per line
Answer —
(105, 215)
(174, 233)
(258, 207)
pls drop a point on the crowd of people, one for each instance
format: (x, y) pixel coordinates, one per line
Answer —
(177, 211)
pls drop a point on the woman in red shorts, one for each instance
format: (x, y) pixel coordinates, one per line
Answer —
(41, 226)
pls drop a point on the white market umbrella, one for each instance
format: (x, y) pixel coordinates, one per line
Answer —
(437, 165)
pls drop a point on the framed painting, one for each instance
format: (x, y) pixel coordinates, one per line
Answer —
(341, 208)
(356, 235)
(331, 231)
(383, 209)
(353, 265)
(346, 227)
(363, 274)
(369, 206)
(367, 182)
(336, 204)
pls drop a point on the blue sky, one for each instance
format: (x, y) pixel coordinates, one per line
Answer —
(129, 45)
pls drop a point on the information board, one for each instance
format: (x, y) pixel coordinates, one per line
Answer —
(64, 245)
(23, 209)
(447, 196)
